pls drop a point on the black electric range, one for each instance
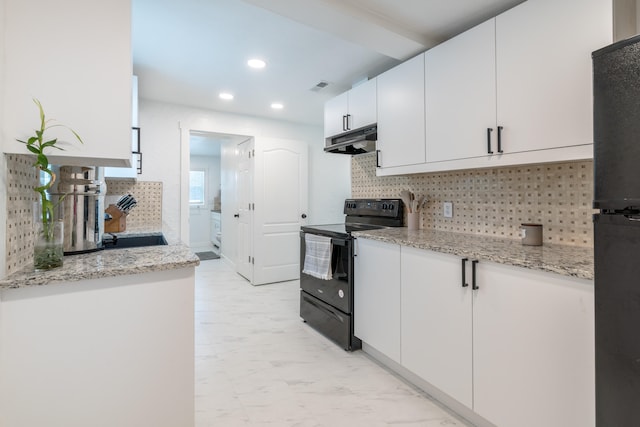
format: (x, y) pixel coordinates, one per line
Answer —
(326, 304)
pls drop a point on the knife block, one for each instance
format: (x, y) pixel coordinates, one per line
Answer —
(118, 221)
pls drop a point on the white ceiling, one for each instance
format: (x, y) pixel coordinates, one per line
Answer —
(187, 51)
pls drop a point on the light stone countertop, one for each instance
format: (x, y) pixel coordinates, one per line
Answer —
(561, 259)
(107, 263)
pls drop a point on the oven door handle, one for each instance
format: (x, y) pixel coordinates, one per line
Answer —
(326, 310)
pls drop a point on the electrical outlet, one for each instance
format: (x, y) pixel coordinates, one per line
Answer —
(448, 210)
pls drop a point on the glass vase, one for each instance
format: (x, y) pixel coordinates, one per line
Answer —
(48, 244)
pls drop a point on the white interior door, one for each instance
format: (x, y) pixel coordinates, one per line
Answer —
(281, 199)
(244, 264)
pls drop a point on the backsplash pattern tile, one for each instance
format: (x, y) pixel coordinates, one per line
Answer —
(495, 201)
(21, 178)
(147, 215)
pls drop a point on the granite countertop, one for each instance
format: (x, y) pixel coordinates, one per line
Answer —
(107, 263)
(561, 259)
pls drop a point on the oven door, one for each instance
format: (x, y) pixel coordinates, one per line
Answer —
(337, 291)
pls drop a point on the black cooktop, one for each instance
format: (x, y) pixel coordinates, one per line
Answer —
(362, 214)
(340, 231)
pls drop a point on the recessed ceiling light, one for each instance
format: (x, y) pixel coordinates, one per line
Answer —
(225, 95)
(277, 106)
(256, 63)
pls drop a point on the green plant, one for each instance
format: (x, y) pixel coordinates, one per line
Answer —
(37, 145)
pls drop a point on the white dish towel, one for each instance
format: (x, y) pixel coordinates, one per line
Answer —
(317, 258)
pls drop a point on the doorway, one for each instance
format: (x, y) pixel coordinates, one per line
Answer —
(205, 198)
(263, 202)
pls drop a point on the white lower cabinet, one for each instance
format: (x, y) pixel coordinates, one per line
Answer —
(436, 322)
(518, 350)
(533, 348)
(377, 296)
(216, 231)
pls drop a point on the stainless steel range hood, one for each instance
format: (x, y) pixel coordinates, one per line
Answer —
(359, 141)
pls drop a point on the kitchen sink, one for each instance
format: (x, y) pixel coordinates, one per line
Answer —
(123, 242)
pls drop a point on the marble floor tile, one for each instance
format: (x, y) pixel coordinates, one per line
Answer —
(258, 364)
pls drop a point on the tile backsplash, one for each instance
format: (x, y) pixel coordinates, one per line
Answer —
(21, 178)
(147, 215)
(495, 201)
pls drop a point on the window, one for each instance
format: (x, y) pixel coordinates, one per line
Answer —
(196, 187)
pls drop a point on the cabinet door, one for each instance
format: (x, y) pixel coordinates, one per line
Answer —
(543, 50)
(335, 112)
(376, 296)
(76, 59)
(436, 322)
(401, 133)
(533, 348)
(130, 172)
(362, 105)
(460, 95)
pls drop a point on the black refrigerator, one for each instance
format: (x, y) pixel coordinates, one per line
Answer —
(616, 84)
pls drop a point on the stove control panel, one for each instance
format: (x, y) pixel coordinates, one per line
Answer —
(374, 207)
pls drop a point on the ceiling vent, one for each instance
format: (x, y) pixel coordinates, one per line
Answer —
(319, 86)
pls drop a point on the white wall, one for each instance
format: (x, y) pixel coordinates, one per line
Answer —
(199, 217)
(3, 184)
(163, 124)
(99, 352)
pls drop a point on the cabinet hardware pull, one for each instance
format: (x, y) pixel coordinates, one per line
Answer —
(344, 123)
(464, 272)
(473, 275)
(500, 139)
(348, 124)
(377, 158)
(489, 130)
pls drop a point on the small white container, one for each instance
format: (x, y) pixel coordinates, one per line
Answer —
(531, 234)
(413, 220)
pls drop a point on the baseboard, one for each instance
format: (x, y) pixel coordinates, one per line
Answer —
(228, 261)
(450, 404)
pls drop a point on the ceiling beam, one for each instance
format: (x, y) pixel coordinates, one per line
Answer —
(347, 23)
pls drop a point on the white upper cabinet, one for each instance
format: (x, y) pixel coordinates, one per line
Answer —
(519, 83)
(514, 90)
(75, 57)
(460, 94)
(351, 110)
(335, 115)
(363, 105)
(544, 84)
(132, 171)
(401, 118)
